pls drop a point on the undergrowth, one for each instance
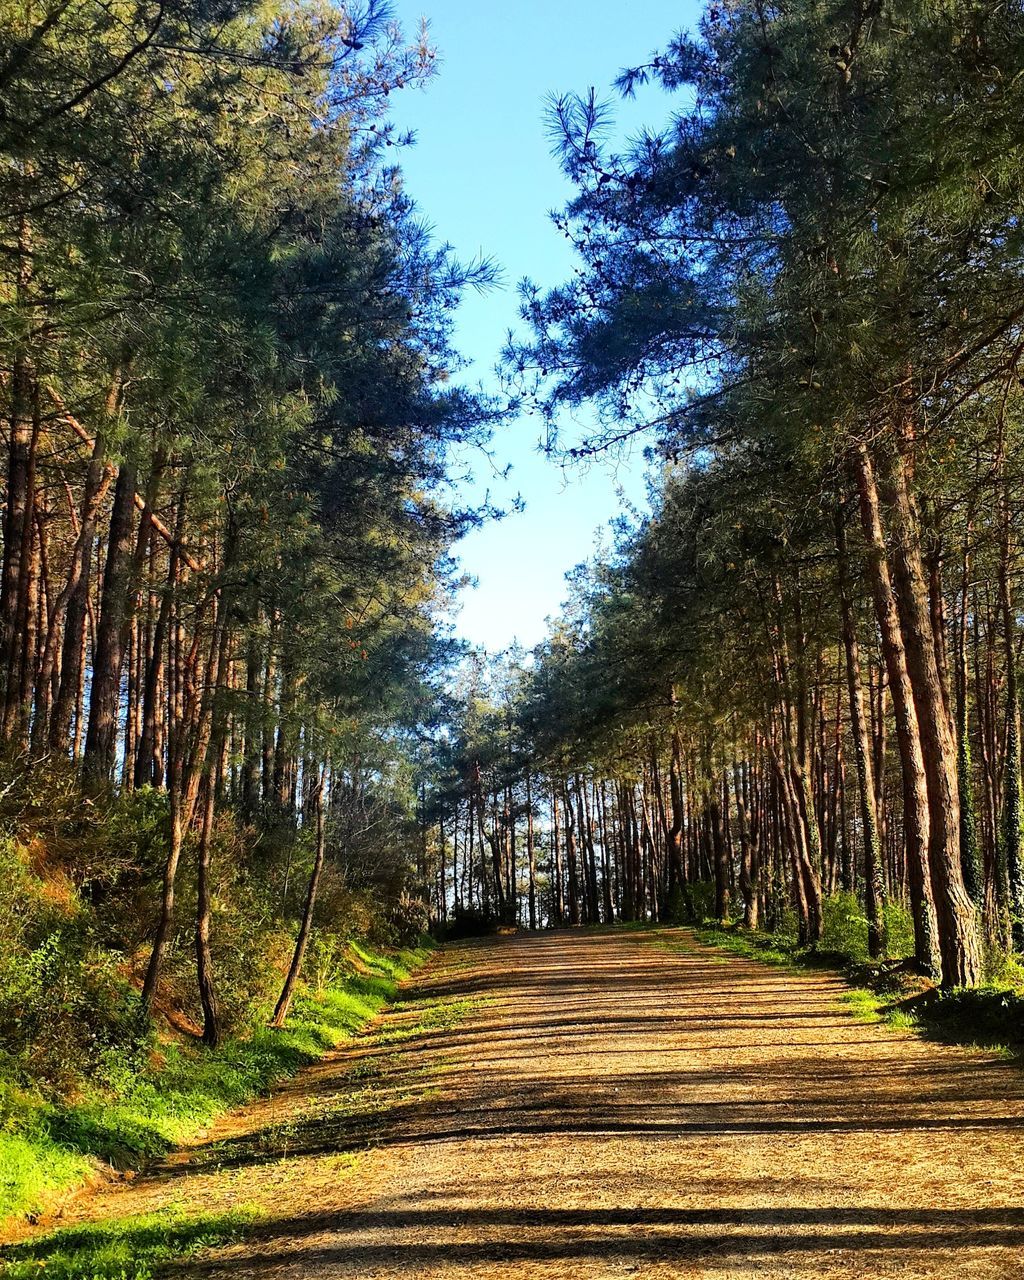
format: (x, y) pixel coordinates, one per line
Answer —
(135, 1111)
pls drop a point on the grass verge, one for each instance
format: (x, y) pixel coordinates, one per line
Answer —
(988, 1017)
(135, 1114)
(125, 1248)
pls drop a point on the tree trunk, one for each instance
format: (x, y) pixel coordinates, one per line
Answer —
(530, 859)
(916, 809)
(873, 888)
(105, 691)
(305, 928)
(957, 926)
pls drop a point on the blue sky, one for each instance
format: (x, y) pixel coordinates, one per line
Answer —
(483, 174)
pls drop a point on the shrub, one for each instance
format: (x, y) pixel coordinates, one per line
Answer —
(66, 1010)
(327, 964)
(845, 926)
(899, 929)
(404, 923)
(699, 900)
(675, 909)
(467, 922)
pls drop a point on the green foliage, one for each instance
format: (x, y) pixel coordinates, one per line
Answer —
(404, 923)
(780, 289)
(767, 947)
(988, 1016)
(845, 931)
(898, 925)
(991, 1016)
(128, 1112)
(66, 1008)
(698, 901)
(66, 1005)
(677, 910)
(844, 936)
(132, 1248)
(1003, 970)
(466, 922)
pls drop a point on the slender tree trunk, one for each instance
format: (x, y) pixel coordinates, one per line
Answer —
(750, 869)
(916, 808)
(204, 960)
(530, 859)
(1013, 857)
(558, 896)
(305, 928)
(188, 750)
(105, 690)
(873, 889)
(570, 857)
(720, 859)
(20, 496)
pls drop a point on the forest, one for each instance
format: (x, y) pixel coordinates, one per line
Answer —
(249, 772)
(799, 676)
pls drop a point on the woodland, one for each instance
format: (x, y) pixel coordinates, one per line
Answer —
(246, 768)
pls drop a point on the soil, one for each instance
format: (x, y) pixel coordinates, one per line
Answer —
(596, 1105)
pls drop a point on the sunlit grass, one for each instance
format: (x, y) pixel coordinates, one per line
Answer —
(135, 1116)
(130, 1248)
(989, 1017)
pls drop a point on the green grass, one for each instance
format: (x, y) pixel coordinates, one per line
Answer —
(134, 1116)
(437, 1015)
(124, 1248)
(770, 948)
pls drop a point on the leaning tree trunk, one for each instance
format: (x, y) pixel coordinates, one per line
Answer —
(284, 1001)
(187, 754)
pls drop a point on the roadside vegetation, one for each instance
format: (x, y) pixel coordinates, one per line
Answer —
(88, 1080)
(132, 1248)
(244, 765)
(228, 400)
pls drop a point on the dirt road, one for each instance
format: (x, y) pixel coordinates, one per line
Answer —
(582, 1105)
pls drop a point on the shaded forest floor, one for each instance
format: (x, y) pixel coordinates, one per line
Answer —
(591, 1105)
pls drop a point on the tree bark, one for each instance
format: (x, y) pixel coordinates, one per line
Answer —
(873, 888)
(916, 809)
(306, 926)
(955, 914)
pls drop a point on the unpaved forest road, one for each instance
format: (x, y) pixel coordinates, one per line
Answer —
(619, 1109)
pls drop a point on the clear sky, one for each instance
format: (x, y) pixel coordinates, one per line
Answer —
(484, 176)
